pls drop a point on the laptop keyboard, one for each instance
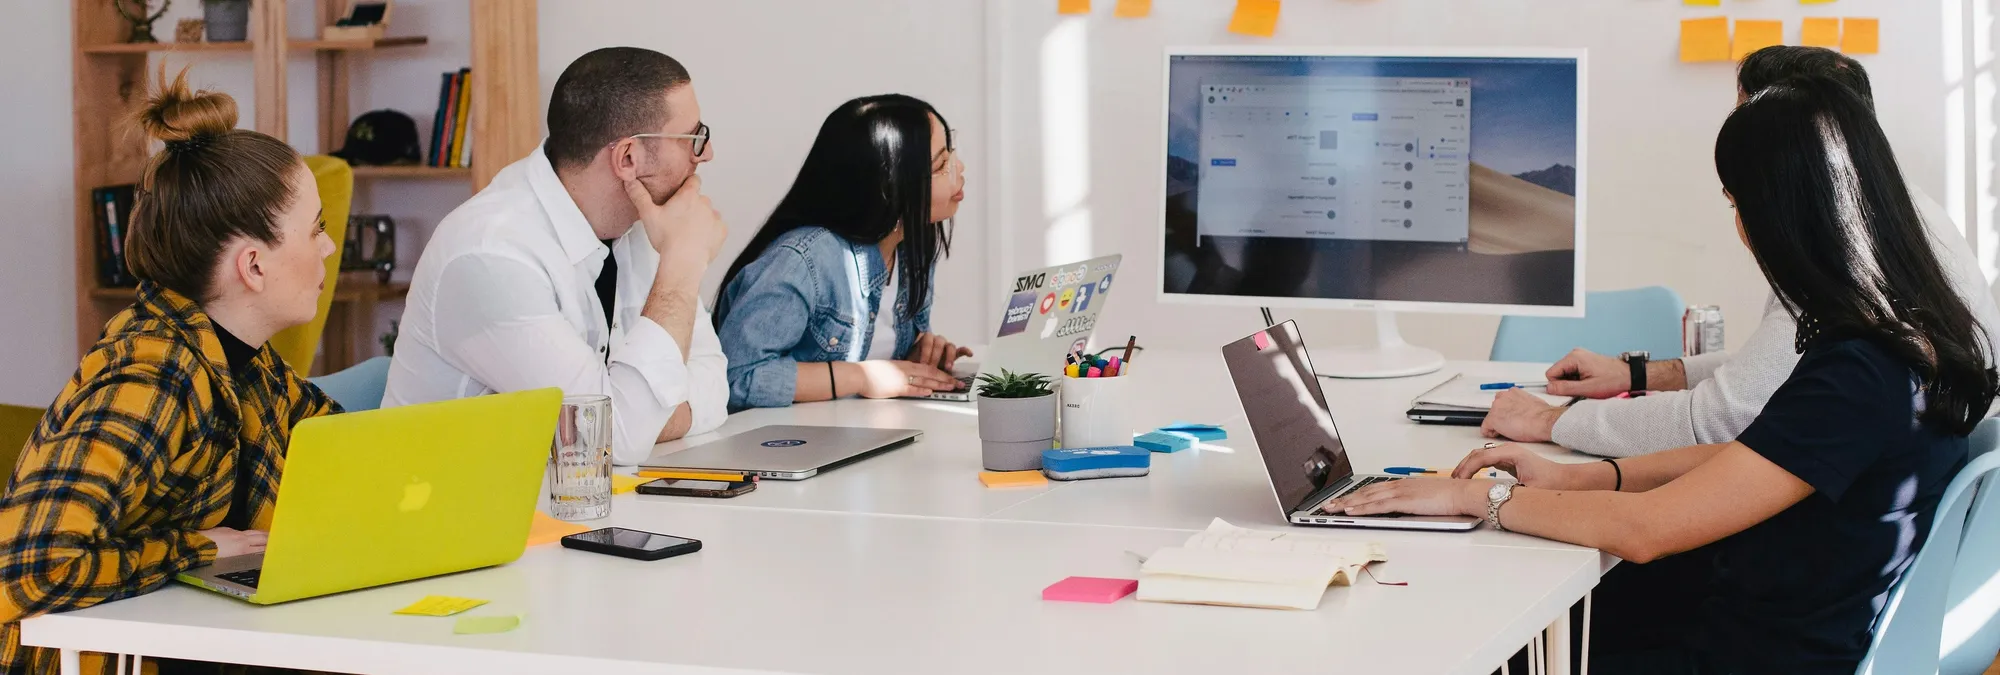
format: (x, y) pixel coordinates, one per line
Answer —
(1365, 482)
(244, 578)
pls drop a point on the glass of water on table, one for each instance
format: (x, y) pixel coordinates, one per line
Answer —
(580, 461)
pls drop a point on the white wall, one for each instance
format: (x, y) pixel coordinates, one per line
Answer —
(37, 284)
(1081, 105)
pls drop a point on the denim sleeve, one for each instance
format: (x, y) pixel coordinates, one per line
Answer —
(771, 302)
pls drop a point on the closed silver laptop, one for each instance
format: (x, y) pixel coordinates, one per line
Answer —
(1296, 436)
(784, 452)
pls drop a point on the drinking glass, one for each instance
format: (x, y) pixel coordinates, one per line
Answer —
(580, 461)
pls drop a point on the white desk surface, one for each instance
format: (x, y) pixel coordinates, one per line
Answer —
(815, 592)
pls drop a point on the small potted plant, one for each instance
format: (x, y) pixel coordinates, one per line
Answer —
(1017, 420)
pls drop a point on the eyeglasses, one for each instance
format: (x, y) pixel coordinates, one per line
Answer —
(699, 137)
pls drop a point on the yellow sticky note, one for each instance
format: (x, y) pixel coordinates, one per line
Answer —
(1007, 479)
(1255, 17)
(440, 605)
(481, 625)
(1754, 35)
(1703, 3)
(1820, 32)
(1133, 9)
(1815, 2)
(1072, 6)
(1705, 39)
(621, 483)
(1861, 36)
(547, 530)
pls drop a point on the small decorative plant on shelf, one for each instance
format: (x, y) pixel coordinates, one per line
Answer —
(1017, 420)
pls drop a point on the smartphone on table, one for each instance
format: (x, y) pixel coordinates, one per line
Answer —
(683, 487)
(634, 544)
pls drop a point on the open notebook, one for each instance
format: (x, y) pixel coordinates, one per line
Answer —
(1238, 567)
(1464, 393)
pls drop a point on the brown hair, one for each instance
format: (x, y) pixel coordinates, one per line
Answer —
(212, 184)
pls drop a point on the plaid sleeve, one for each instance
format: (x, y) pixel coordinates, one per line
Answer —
(310, 400)
(61, 546)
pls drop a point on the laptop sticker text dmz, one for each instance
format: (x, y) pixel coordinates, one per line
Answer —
(1053, 296)
(784, 443)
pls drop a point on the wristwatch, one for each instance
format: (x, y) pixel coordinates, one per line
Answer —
(1637, 360)
(1496, 496)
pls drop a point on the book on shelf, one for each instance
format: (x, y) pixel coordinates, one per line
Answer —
(1238, 567)
(445, 126)
(459, 158)
(111, 207)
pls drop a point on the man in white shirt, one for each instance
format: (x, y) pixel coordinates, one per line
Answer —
(1711, 398)
(543, 280)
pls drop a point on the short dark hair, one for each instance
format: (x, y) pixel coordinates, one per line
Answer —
(607, 95)
(1771, 65)
(211, 185)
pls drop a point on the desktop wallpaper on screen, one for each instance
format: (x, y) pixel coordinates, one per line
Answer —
(1426, 179)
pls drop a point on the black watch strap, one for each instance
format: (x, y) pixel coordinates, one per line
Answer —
(1638, 364)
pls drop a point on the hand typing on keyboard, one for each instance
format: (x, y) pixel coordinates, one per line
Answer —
(231, 542)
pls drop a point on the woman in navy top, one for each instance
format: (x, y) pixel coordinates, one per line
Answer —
(1798, 529)
(832, 297)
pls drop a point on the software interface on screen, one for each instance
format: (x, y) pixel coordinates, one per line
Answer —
(1425, 179)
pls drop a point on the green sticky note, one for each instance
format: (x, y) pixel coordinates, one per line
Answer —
(440, 605)
(481, 625)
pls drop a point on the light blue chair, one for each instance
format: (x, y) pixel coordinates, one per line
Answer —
(1614, 322)
(1909, 635)
(1972, 610)
(358, 388)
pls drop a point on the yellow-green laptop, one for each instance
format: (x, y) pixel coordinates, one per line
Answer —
(383, 496)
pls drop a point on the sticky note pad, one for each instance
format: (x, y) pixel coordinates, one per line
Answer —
(440, 605)
(1010, 479)
(621, 483)
(1815, 2)
(1255, 17)
(547, 530)
(1072, 6)
(1752, 35)
(1820, 32)
(1861, 36)
(481, 625)
(1163, 442)
(1133, 9)
(1705, 39)
(1200, 432)
(1703, 3)
(1090, 589)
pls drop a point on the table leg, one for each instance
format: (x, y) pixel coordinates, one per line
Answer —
(1556, 639)
(72, 662)
(1584, 668)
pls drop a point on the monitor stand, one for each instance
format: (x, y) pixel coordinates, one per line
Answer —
(1390, 356)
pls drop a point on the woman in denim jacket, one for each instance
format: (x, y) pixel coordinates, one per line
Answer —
(832, 297)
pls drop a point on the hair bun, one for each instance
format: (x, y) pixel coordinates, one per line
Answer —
(183, 118)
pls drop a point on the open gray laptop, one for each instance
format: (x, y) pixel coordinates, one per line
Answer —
(1050, 312)
(784, 452)
(1296, 436)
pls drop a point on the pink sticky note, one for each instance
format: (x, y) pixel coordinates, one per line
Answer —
(1090, 589)
(1263, 340)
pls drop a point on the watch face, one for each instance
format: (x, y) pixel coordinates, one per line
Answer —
(1497, 492)
(1632, 356)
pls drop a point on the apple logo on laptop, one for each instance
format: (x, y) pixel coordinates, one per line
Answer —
(415, 495)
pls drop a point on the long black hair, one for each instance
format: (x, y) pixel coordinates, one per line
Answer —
(1830, 220)
(869, 169)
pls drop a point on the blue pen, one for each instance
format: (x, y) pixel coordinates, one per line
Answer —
(1408, 470)
(1495, 386)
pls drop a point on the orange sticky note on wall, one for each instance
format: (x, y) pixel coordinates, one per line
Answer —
(1255, 17)
(1754, 35)
(1815, 2)
(1072, 6)
(1133, 9)
(1820, 32)
(1705, 39)
(1703, 3)
(1861, 36)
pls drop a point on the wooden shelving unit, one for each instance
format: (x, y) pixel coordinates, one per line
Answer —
(110, 81)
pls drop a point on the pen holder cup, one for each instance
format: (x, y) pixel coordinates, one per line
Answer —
(1096, 412)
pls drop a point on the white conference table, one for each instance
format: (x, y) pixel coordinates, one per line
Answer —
(904, 562)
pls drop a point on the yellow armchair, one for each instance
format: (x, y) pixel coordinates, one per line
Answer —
(299, 344)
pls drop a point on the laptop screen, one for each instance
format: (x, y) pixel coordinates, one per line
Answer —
(1287, 413)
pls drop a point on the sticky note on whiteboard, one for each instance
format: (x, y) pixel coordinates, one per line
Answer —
(1255, 17)
(1861, 36)
(1705, 39)
(1072, 6)
(1820, 32)
(1752, 35)
(1703, 3)
(1133, 9)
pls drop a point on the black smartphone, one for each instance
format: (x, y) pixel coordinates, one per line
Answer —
(681, 487)
(632, 544)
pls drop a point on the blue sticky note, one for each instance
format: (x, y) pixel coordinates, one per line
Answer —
(1201, 432)
(1159, 441)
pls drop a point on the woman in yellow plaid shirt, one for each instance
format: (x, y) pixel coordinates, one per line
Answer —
(163, 451)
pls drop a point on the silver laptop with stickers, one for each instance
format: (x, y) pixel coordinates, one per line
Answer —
(1050, 312)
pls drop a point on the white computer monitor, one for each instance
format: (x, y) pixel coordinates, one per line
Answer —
(1395, 180)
